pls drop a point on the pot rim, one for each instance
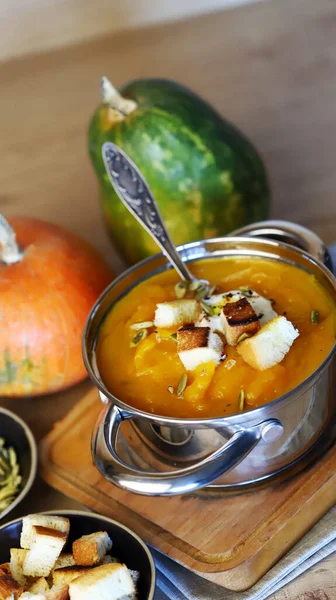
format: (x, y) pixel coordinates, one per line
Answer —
(230, 420)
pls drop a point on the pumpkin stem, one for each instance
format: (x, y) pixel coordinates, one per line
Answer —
(11, 251)
(111, 96)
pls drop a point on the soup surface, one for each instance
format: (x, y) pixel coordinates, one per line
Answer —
(146, 374)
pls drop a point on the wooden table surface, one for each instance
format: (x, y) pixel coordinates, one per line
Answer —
(269, 67)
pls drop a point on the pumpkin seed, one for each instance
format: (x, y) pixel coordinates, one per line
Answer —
(241, 399)
(201, 292)
(315, 317)
(141, 335)
(194, 285)
(230, 363)
(174, 337)
(207, 308)
(182, 384)
(212, 290)
(142, 325)
(170, 389)
(242, 337)
(10, 479)
(181, 289)
(244, 289)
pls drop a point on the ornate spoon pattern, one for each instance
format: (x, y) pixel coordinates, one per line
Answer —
(134, 192)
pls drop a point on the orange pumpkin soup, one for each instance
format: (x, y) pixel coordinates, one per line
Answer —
(139, 361)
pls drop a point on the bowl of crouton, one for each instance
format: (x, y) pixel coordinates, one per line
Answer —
(73, 555)
(18, 460)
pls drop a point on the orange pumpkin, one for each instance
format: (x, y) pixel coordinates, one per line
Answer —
(49, 280)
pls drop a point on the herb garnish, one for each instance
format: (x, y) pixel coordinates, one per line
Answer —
(141, 335)
(142, 325)
(242, 337)
(182, 384)
(10, 479)
(241, 399)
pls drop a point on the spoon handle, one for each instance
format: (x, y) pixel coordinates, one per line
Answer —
(134, 192)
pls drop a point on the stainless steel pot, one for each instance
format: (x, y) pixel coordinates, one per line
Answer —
(155, 455)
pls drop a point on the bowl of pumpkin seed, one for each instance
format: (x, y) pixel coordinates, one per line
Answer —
(18, 460)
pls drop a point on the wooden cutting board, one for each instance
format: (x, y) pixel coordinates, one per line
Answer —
(230, 539)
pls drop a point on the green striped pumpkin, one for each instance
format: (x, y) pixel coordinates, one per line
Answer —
(206, 176)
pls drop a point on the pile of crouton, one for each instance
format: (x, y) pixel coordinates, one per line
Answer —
(240, 318)
(40, 570)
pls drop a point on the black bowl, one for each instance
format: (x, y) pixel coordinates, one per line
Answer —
(17, 434)
(127, 546)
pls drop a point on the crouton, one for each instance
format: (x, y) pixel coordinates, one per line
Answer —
(107, 582)
(50, 521)
(212, 308)
(269, 346)
(135, 576)
(57, 593)
(214, 322)
(62, 577)
(32, 596)
(90, 549)
(239, 318)
(263, 308)
(176, 313)
(45, 549)
(192, 337)
(65, 559)
(9, 588)
(17, 556)
(197, 345)
(39, 587)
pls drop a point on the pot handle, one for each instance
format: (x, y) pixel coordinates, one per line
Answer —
(181, 481)
(290, 233)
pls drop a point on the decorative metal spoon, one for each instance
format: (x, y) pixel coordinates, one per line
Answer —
(134, 192)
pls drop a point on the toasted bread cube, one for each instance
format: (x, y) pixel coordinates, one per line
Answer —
(270, 345)
(39, 587)
(9, 588)
(192, 337)
(90, 549)
(46, 547)
(176, 313)
(17, 556)
(49, 521)
(62, 577)
(263, 309)
(212, 318)
(198, 345)
(135, 576)
(57, 593)
(65, 559)
(239, 318)
(214, 322)
(107, 582)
